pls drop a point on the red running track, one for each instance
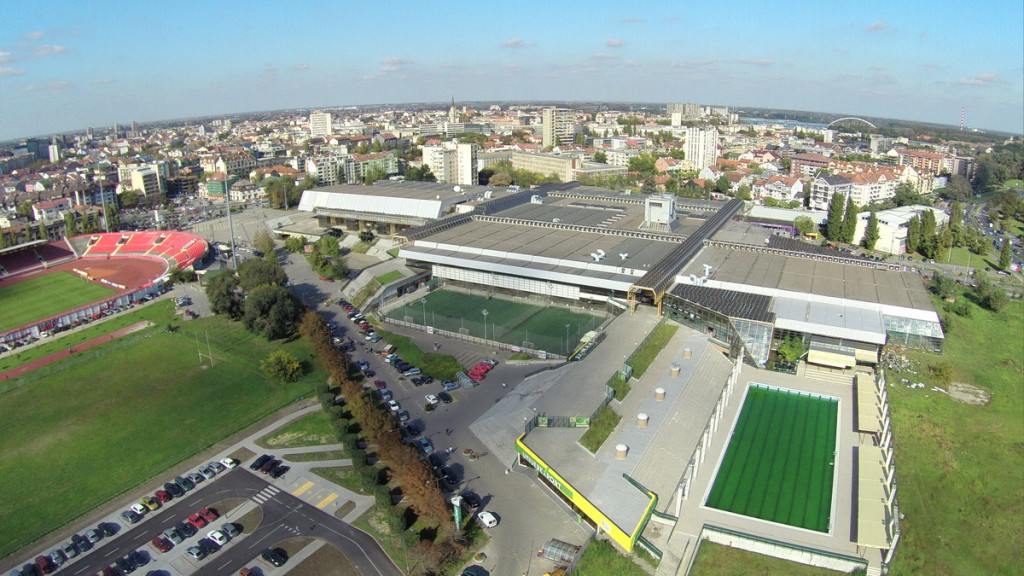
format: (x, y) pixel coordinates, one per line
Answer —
(66, 353)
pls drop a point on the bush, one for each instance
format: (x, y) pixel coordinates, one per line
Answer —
(943, 372)
(282, 366)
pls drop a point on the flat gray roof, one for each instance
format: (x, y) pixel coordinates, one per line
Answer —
(807, 276)
(602, 211)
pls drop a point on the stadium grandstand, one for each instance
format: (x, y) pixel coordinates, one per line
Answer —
(34, 256)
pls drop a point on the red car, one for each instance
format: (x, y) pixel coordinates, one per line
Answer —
(163, 496)
(45, 565)
(208, 514)
(380, 384)
(162, 544)
(198, 521)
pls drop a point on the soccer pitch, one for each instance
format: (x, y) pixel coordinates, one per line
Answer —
(43, 296)
(779, 463)
(516, 323)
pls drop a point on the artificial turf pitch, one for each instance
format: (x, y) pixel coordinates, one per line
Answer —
(779, 463)
(44, 296)
(507, 321)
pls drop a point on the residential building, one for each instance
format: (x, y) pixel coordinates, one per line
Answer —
(807, 164)
(558, 126)
(679, 112)
(320, 124)
(561, 166)
(452, 162)
(53, 151)
(214, 188)
(51, 209)
(701, 147)
(782, 188)
(824, 187)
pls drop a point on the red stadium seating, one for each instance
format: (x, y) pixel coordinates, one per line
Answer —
(179, 249)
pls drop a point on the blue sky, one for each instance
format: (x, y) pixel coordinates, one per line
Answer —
(68, 65)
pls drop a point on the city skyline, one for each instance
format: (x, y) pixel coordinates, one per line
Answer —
(67, 66)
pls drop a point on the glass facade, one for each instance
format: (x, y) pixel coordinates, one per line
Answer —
(734, 333)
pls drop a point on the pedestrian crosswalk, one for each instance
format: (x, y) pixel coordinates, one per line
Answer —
(265, 494)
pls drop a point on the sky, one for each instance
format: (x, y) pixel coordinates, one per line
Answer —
(68, 65)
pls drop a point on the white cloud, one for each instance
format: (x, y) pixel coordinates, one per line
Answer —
(633, 20)
(758, 61)
(49, 50)
(103, 81)
(6, 57)
(877, 27)
(34, 35)
(983, 79)
(615, 43)
(55, 86)
(393, 64)
(513, 43)
(301, 67)
(7, 71)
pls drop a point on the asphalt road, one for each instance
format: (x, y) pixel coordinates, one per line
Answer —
(284, 516)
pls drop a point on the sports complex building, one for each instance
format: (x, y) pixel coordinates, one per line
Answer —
(89, 276)
(710, 445)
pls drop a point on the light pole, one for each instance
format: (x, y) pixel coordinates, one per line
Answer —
(567, 339)
(484, 312)
(423, 301)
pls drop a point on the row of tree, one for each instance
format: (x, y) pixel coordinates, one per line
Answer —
(364, 425)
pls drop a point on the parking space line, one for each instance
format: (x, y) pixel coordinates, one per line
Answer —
(323, 503)
(303, 489)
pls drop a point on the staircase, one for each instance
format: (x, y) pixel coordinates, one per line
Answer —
(833, 375)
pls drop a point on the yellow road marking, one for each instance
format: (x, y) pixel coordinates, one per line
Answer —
(302, 489)
(323, 503)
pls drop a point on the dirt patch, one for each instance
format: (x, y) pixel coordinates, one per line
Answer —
(969, 394)
(242, 454)
(225, 506)
(327, 561)
(250, 521)
(292, 546)
(345, 509)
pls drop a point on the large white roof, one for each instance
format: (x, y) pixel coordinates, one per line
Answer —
(313, 200)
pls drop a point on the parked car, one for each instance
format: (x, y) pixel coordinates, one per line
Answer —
(209, 514)
(197, 552)
(162, 544)
(81, 542)
(487, 519)
(229, 463)
(259, 462)
(107, 528)
(94, 535)
(431, 399)
(197, 521)
(425, 445)
(403, 416)
(448, 385)
(269, 465)
(273, 557)
(445, 397)
(163, 496)
(394, 406)
(150, 503)
(386, 394)
(174, 535)
(140, 508)
(471, 500)
(207, 472)
(175, 489)
(196, 477)
(279, 471)
(218, 537)
(129, 517)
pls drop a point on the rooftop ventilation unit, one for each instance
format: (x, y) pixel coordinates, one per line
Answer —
(707, 271)
(536, 199)
(457, 189)
(601, 252)
(556, 220)
(488, 194)
(623, 255)
(597, 256)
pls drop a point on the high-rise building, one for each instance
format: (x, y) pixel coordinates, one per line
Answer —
(320, 124)
(54, 152)
(558, 126)
(701, 147)
(451, 162)
(680, 112)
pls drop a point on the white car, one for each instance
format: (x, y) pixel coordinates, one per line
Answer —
(140, 508)
(229, 463)
(394, 406)
(487, 519)
(218, 537)
(431, 399)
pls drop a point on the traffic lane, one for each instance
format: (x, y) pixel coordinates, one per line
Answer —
(138, 537)
(286, 516)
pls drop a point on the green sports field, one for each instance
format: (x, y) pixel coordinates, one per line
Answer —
(99, 424)
(46, 295)
(517, 323)
(778, 465)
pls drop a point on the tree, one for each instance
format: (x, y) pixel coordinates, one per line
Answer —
(3, 238)
(272, 311)
(1005, 255)
(644, 164)
(600, 157)
(328, 246)
(24, 209)
(958, 188)
(295, 244)
(849, 221)
(257, 272)
(942, 285)
(927, 243)
(374, 174)
(871, 232)
(907, 195)
(222, 292)
(989, 295)
(264, 242)
(366, 236)
(282, 366)
(112, 218)
(70, 224)
(44, 236)
(791, 349)
(804, 225)
(129, 198)
(834, 224)
(913, 234)
(956, 214)
(420, 174)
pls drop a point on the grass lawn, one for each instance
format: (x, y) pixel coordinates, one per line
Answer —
(601, 559)
(960, 467)
(108, 424)
(388, 277)
(718, 560)
(317, 456)
(44, 296)
(644, 355)
(365, 293)
(159, 313)
(778, 465)
(601, 427)
(342, 476)
(326, 561)
(310, 430)
(509, 321)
